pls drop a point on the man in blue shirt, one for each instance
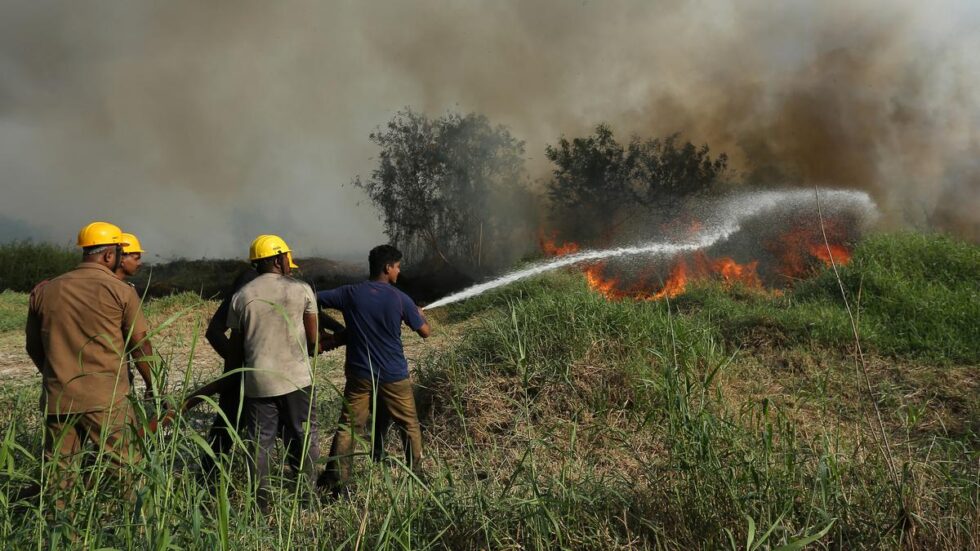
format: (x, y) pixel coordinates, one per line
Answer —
(375, 367)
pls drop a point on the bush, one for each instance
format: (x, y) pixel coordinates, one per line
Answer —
(451, 188)
(208, 278)
(24, 264)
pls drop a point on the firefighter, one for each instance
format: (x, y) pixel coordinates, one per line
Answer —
(130, 261)
(132, 258)
(225, 423)
(273, 322)
(375, 367)
(80, 328)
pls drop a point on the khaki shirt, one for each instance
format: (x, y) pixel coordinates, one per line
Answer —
(269, 312)
(83, 320)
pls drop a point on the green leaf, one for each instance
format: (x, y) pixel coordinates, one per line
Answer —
(807, 540)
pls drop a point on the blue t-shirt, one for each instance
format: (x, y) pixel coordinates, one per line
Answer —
(374, 312)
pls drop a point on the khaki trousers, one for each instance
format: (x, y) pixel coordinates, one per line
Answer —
(66, 436)
(361, 396)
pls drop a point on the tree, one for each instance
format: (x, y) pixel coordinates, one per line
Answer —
(658, 171)
(587, 182)
(442, 187)
(597, 183)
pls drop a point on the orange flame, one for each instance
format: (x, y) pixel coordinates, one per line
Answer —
(839, 254)
(797, 249)
(796, 253)
(676, 282)
(598, 282)
(698, 267)
(733, 272)
(551, 247)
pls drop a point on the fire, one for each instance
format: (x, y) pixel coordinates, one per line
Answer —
(675, 284)
(797, 249)
(702, 267)
(551, 247)
(839, 254)
(798, 253)
(733, 272)
(597, 281)
(698, 267)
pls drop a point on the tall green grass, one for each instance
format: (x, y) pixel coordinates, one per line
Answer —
(558, 419)
(24, 264)
(914, 295)
(917, 294)
(706, 461)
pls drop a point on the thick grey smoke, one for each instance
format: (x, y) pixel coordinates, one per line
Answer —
(198, 125)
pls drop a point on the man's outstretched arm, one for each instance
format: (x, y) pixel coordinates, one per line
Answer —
(141, 354)
(311, 327)
(423, 330)
(327, 322)
(214, 387)
(236, 356)
(416, 320)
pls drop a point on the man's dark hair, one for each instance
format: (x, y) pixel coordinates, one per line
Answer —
(382, 256)
(98, 249)
(264, 265)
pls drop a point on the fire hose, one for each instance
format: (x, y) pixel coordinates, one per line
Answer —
(328, 341)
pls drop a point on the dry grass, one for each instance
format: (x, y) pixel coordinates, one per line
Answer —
(553, 418)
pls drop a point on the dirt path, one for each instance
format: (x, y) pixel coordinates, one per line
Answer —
(183, 348)
(181, 344)
(14, 362)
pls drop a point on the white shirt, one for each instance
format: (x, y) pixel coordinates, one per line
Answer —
(269, 312)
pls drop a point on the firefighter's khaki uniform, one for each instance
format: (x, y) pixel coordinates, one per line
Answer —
(84, 320)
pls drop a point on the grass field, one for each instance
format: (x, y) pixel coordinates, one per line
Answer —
(556, 419)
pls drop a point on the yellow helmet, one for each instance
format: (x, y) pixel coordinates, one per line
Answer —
(132, 244)
(100, 233)
(253, 254)
(265, 246)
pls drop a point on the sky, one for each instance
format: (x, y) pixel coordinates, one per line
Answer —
(200, 125)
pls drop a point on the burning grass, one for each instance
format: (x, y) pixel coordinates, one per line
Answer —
(774, 254)
(915, 295)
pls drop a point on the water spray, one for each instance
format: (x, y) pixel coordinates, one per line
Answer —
(725, 220)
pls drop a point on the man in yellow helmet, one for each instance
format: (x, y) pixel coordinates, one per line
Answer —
(81, 326)
(131, 259)
(273, 322)
(228, 386)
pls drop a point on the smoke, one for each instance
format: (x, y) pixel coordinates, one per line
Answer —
(876, 97)
(200, 125)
